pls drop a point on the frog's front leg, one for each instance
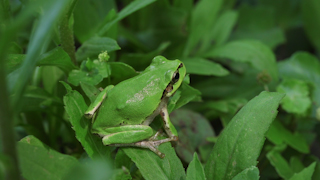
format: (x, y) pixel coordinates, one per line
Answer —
(97, 102)
(168, 126)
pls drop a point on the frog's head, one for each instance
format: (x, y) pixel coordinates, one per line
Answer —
(173, 72)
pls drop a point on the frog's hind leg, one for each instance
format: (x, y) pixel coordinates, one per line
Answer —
(124, 134)
(131, 135)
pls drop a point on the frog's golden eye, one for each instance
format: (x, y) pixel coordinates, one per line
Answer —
(175, 77)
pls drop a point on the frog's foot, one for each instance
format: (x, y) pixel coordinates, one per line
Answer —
(150, 144)
(155, 136)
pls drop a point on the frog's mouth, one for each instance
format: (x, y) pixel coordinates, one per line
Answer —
(176, 81)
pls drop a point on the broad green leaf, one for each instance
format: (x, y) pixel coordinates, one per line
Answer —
(295, 164)
(286, 13)
(297, 98)
(280, 164)
(90, 90)
(91, 72)
(86, 25)
(226, 109)
(76, 76)
(240, 143)
(122, 160)
(271, 37)
(50, 77)
(195, 170)
(305, 174)
(140, 61)
(251, 173)
(129, 9)
(153, 167)
(183, 4)
(278, 134)
(200, 24)
(250, 51)
(51, 14)
(38, 161)
(36, 99)
(188, 94)
(305, 67)
(57, 57)
(311, 21)
(259, 23)
(193, 129)
(94, 46)
(75, 107)
(223, 27)
(121, 71)
(201, 66)
(93, 170)
(231, 86)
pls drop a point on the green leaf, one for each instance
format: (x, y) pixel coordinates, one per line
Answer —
(239, 145)
(254, 52)
(278, 134)
(297, 98)
(13, 61)
(36, 99)
(305, 174)
(91, 72)
(76, 76)
(188, 94)
(305, 67)
(86, 25)
(295, 164)
(75, 107)
(193, 129)
(40, 39)
(195, 170)
(203, 66)
(200, 16)
(93, 170)
(38, 161)
(50, 76)
(153, 167)
(129, 9)
(122, 160)
(57, 57)
(311, 21)
(230, 86)
(121, 71)
(90, 90)
(280, 164)
(223, 27)
(259, 22)
(95, 45)
(251, 173)
(141, 60)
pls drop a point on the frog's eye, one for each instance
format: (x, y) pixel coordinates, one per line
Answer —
(175, 77)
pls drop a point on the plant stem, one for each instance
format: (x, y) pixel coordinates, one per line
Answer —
(7, 134)
(66, 33)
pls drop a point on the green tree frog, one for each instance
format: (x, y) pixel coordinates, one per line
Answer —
(122, 113)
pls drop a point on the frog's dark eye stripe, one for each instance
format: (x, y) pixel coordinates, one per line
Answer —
(180, 66)
(175, 77)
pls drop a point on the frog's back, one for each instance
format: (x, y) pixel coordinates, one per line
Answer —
(130, 103)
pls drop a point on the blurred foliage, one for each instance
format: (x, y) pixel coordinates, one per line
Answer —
(229, 127)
